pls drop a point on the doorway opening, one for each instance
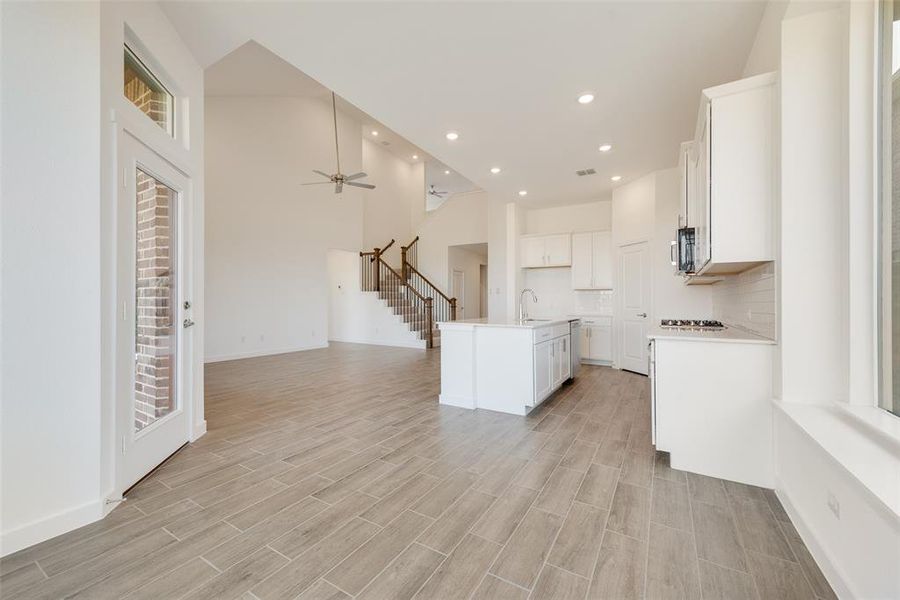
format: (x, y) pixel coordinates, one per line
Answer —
(467, 279)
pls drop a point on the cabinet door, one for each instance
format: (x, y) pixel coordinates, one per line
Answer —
(602, 262)
(702, 202)
(558, 249)
(543, 369)
(601, 343)
(533, 252)
(585, 341)
(582, 261)
(565, 358)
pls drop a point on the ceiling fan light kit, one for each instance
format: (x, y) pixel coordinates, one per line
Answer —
(339, 179)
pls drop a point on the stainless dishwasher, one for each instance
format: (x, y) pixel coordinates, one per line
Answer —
(575, 345)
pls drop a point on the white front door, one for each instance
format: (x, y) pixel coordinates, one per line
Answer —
(458, 291)
(153, 337)
(634, 277)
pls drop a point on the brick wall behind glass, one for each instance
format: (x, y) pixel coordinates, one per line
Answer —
(154, 334)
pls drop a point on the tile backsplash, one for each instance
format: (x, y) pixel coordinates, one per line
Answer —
(748, 300)
(553, 288)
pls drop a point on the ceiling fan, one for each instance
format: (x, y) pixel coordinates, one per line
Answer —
(434, 192)
(339, 179)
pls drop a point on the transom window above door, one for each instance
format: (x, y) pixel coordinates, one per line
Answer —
(147, 92)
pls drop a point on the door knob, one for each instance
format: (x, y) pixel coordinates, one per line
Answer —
(642, 315)
(188, 323)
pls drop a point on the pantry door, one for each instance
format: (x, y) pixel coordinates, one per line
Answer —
(153, 337)
(634, 278)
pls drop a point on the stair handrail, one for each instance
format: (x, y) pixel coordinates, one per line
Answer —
(451, 301)
(427, 302)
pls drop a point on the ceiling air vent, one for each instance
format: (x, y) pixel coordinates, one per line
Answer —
(385, 143)
(583, 172)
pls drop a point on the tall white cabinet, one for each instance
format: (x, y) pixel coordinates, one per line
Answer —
(592, 264)
(731, 205)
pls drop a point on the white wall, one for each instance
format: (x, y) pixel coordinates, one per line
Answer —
(469, 262)
(463, 219)
(267, 235)
(591, 216)
(388, 209)
(51, 381)
(360, 317)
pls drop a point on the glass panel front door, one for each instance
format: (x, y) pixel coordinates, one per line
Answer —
(156, 310)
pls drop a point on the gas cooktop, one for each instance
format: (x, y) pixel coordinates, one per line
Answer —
(691, 324)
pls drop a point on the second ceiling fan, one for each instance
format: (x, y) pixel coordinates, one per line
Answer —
(338, 178)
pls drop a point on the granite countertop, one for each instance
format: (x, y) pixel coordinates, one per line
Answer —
(730, 334)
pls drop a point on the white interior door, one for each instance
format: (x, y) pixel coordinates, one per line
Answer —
(153, 337)
(458, 291)
(634, 275)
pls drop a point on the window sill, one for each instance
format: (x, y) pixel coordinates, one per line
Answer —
(864, 443)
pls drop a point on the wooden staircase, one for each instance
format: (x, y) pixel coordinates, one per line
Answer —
(408, 293)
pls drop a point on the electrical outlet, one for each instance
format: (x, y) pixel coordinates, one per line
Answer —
(834, 505)
(262, 337)
(243, 338)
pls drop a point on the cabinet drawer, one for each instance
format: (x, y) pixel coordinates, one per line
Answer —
(543, 334)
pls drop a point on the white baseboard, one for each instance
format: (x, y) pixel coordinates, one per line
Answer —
(418, 344)
(43, 529)
(258, 353)
(458, 401)
(837, 581)
(198, 431)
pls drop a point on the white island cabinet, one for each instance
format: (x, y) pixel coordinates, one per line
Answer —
(507, 366)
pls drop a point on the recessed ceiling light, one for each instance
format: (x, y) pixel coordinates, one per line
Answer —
(446, 172)
(415, 157)
(452, 135)
(375, 133)
(495, 170)
(605, 148)
(616, 177)
(523, 192)
(586, 98)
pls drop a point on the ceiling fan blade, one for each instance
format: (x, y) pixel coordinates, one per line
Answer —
(322, 174)
(316, 183)
(354, 176)
(368, 186)
(338, 187)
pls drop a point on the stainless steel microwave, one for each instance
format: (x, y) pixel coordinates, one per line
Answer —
(683, 250)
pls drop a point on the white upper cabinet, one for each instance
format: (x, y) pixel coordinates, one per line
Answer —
(592, 261)
(731, 205)
(546, 250)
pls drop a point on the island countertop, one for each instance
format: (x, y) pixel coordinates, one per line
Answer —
(529, 324)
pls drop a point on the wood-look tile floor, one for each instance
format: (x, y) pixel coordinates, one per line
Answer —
(334, 473)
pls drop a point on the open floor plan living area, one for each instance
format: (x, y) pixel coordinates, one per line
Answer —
(413, 300)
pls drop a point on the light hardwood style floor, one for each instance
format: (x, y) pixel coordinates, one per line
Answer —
(334, 473)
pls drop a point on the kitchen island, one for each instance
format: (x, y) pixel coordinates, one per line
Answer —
(504, 365)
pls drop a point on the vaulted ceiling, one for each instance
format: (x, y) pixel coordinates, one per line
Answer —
(506, 77)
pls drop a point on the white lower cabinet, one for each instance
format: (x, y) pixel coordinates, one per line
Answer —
(597, 340)
(712, 408)
(543, 369)
(552, 364)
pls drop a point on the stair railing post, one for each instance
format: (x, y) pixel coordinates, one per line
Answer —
(429, 321)
(403, 271)
(377, 269)
(452, 309)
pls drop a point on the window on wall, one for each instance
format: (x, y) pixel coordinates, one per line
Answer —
(146, 92)
(889, 92)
